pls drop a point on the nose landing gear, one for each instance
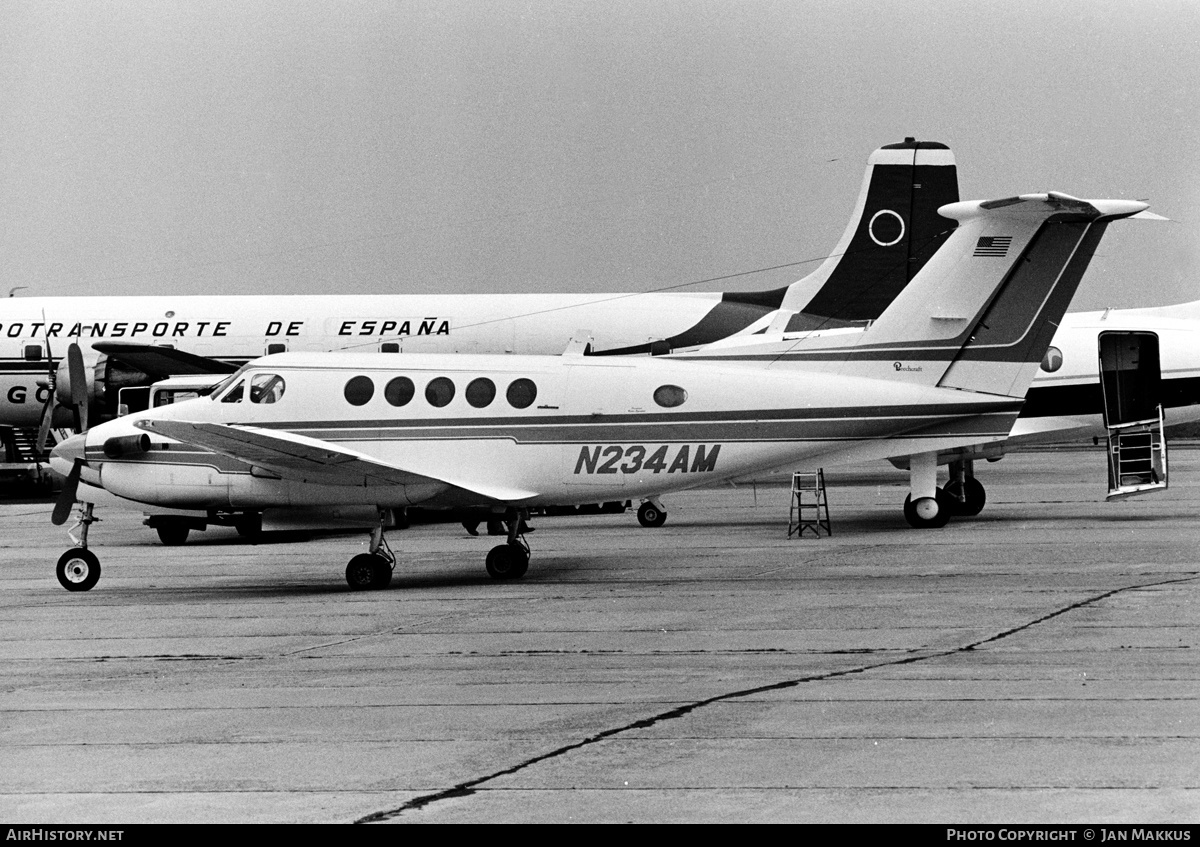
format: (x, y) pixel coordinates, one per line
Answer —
(78, 569)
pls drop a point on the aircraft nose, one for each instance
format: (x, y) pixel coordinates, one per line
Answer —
(70, 450)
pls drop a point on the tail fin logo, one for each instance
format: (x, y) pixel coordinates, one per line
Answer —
(885, 231)
(993, 245)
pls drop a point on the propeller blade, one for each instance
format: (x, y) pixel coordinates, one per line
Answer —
(48, 408)
(79, 388)
(44, 425)
(66, 500)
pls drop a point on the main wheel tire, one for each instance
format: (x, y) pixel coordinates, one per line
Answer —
(173, 534)
(651, 516)
(78, 569)
(975, 500)
(927, 512)
(368, 572)
(249, 525)
(507, 561)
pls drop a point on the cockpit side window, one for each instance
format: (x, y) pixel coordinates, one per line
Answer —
(215, 391)
(266, 388)
(234, 395)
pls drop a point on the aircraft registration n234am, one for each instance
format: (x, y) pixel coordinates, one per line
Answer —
(506, 433)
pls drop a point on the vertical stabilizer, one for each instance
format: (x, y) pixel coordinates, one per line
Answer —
(894, 230)
(981, 314)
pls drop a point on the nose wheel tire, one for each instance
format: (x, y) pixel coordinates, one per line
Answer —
(367, 571)
(507, 561)
(78, 569)
(651, 516)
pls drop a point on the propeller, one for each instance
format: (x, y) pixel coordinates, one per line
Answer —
(48, 407)
(79, 389)
(77, 376)
(66, 500)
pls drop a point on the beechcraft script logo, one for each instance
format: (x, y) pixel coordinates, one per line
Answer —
(993, 245)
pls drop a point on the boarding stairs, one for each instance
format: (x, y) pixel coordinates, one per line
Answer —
(1137, 458)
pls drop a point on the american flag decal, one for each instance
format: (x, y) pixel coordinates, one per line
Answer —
(993, 245)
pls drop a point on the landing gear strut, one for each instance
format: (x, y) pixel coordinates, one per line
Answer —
(926, 506)
(78, 569)
(511, 559)
(373, 570)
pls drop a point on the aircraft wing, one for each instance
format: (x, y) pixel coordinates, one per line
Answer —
(298, 457)
(160, 362)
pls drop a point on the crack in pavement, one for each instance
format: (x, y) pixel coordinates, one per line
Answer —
(469, 787)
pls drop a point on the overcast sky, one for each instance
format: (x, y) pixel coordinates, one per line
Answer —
(297, 146)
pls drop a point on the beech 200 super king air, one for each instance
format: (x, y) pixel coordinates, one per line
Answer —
(947, 364)
(127, 343)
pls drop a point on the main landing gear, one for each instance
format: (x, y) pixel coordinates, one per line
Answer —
(651, 514)
(373, 570)
(966, 493)
(511, 559)
(173, 530)
(930, 507)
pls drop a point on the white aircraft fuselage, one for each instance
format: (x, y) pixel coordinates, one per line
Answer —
(594, 430)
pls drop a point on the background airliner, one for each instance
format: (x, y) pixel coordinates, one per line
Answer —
(133, 341)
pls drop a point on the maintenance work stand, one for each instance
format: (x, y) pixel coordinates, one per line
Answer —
(810, 509)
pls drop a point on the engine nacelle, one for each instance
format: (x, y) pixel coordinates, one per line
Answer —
(126, 445)
(105, 377)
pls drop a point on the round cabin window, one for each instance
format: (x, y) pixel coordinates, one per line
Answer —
(521, 393)
(669, 396)
(359, 391)
(439, 392)
(1053, 360)
(481, 392)
(399, 391)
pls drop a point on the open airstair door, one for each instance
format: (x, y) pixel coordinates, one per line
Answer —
(1130, 381)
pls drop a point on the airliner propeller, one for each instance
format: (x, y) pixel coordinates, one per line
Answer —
(77, 379)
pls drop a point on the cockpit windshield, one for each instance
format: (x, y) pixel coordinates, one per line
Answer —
(223, 385)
